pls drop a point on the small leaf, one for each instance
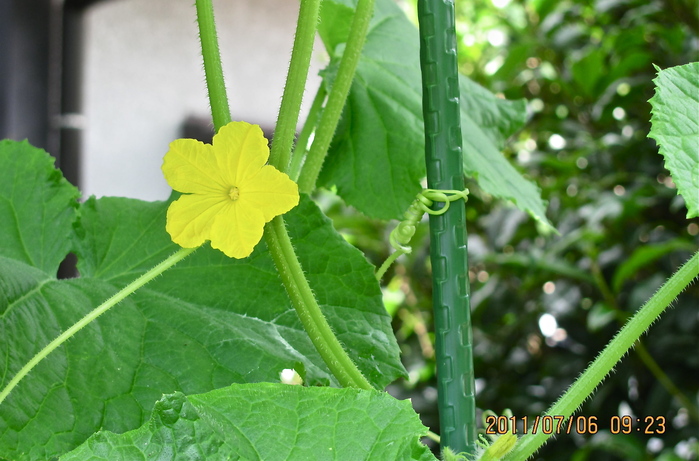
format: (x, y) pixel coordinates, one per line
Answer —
(269, 422)
(675, 127)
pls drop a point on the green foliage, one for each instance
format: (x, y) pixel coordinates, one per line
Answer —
(205, 324)
(378, 150)
(676, 128)
(623, 229)
(611, 200)
(211, 321)
(268, 422)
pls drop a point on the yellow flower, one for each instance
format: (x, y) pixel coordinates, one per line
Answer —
(231, 192)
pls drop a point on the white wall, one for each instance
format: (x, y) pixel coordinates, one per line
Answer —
(144, 76)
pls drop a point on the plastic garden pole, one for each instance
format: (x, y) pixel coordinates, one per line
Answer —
(440, 107)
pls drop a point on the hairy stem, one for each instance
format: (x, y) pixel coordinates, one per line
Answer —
(92, 315)
(212, 64)
(276, 235)
(585, 385)
(639, 348)
(307, 308)
(295, 84)
(337, 96)
(309, 127)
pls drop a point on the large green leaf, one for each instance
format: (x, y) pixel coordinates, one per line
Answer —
(376, 159)
(269, 422)
(245, 298)
(675, 120)
(208, 322)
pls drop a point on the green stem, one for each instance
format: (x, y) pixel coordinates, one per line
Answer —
(92, 315)
(212, 64)
(308, 128)
(307, 308)
(295, 84)
(432, 436)
(338, 96)
(386, 264)
(276, 236)
(585, 385)
(639, 348)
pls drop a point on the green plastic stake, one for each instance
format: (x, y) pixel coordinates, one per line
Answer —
(440, 107)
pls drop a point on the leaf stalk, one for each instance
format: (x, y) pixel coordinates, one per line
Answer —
(92, 315)
(337, 97)
(215, 82)
(285, 130)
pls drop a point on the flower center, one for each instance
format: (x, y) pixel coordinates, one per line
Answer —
(234, 193)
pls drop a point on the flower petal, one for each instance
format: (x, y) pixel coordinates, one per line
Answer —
(237, 229)
(189, 218)
(270, 191)
(241, 150)
(190, 166)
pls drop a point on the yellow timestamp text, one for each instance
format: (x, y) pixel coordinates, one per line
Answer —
(558, 424)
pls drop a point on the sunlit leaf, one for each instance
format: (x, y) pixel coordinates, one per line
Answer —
(269, 422)
(675, 128)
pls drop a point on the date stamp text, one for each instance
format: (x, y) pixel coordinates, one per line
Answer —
(557, 424)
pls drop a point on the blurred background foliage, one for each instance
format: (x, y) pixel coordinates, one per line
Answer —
(545, 305)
